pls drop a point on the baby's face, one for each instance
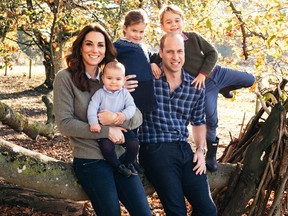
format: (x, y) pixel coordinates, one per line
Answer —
(113, 79)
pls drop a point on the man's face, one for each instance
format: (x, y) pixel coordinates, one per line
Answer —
(173, 54)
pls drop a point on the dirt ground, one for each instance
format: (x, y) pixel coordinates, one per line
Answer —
(16, 90)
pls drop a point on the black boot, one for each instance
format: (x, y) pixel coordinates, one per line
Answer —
(211, 162)
(227, 91)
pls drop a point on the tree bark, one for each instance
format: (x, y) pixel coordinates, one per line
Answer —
(14, 195)
(20, 123)
(33, 170)
(253, 165)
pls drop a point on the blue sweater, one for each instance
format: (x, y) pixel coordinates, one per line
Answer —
(136, 59)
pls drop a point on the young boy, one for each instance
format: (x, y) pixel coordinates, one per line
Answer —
(115, 98)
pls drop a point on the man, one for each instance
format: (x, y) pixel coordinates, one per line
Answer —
(168, 160)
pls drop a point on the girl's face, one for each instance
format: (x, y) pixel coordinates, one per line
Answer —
(113, 79)
(135, 32)
(93, 51)
(172, 22)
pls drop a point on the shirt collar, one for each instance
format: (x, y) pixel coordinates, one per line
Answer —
(184, 36)
(105, 89)
(90, 77)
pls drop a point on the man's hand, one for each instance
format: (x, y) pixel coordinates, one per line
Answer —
(199, 159)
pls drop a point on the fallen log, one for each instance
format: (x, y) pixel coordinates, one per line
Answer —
(21, 123)
(36, 171)
(17, 196)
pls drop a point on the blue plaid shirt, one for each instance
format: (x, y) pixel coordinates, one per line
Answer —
(175, 111)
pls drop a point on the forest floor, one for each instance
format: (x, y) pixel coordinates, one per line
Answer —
(17, 91)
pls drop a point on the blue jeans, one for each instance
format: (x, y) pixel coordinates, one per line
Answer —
(105, 187)
(221, 77)
(169, 167)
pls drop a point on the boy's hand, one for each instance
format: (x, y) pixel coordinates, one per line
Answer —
(120, 118)
(95, 128)
(199, 81)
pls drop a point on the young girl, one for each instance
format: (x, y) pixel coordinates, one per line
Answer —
(136, 58)
(200, 61)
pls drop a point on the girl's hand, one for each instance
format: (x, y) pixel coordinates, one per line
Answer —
(130, 84)
(155, 70)
(199, 81)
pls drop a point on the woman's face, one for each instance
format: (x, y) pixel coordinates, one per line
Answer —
(93, 51)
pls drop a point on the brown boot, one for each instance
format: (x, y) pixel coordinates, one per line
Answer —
(211, 162)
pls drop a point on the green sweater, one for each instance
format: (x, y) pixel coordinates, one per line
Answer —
(70, 109)
(200, 55)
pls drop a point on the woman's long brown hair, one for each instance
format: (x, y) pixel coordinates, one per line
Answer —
(74, 59)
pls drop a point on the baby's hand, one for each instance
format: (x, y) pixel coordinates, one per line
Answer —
(120, 118)
(156, 70)
(95, 128)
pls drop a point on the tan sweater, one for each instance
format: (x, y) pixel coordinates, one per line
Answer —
(70, 109)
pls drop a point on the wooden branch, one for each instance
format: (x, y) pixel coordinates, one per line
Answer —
(252, 165)
(33, 170)
(20, 123)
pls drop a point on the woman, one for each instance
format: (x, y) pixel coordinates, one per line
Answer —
(73, 88)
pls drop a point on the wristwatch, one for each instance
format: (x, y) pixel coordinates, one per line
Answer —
(202, 148)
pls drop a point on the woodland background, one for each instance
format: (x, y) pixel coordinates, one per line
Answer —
(249, 35)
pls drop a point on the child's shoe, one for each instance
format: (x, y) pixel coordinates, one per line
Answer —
(132, 168)
(124, 170)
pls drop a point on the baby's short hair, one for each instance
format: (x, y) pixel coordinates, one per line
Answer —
(114, 65)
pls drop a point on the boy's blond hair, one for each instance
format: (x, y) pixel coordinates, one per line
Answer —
(170, 8)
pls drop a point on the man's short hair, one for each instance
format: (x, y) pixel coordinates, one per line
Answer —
(170, 34)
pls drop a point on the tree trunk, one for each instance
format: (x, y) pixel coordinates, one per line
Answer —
(20, 123)
(14, 195)
(36, 171)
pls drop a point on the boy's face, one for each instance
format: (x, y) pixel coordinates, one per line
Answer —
(113, 79)
(172, 22)
(135, 33)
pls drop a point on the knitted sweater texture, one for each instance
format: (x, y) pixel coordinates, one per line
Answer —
(200, 55)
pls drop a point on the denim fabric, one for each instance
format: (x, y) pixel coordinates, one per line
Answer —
(221, 77)
(105, 187)
(169, 167)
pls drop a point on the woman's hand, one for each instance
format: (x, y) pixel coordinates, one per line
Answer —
(106, 117)
(130, 85)
(116, 135)
(199, 81)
